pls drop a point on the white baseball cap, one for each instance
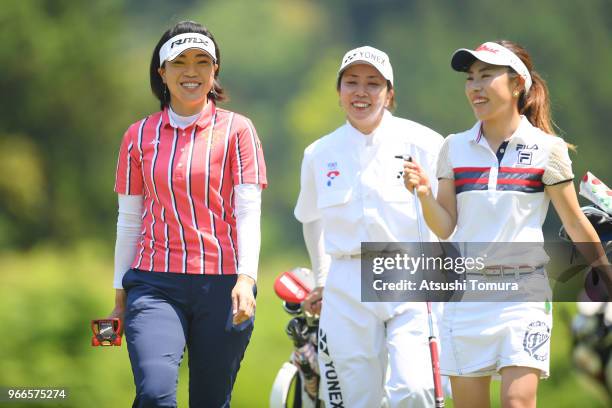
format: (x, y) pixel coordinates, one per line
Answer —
(491, 53)
(371, 56)
(179, 43)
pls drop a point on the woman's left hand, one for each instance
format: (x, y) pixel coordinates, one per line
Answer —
(243, 300)
(415, 177)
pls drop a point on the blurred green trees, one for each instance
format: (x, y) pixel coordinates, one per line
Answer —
(62, 107)
(75, 75)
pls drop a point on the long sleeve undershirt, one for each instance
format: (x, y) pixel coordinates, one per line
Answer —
(247, 212)
(315, 245)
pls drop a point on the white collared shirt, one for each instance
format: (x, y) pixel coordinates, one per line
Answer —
(500, 195)
(354, 184)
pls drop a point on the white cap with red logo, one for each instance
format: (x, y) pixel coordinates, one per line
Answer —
(371, 56)
(494, 54)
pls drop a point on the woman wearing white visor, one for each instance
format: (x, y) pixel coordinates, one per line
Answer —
(352, 192)
(189, 180)
(494, 185)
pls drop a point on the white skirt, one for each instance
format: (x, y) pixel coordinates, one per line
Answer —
(481, 338)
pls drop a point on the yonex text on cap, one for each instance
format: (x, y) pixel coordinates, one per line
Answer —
(368, 55)
(179, 43)
(491, 53)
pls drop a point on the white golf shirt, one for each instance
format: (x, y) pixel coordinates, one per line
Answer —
(354, 184)
(500, 195)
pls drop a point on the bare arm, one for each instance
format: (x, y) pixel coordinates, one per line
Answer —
(563, 197)
(580, 230)
(120, 300)
(440, 212)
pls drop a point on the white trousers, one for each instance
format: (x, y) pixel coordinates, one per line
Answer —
(357, 341)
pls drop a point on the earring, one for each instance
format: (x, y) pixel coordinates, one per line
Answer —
(165, 92)
(515, 93)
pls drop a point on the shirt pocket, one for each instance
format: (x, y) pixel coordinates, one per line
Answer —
(335, 198)
(394, 189)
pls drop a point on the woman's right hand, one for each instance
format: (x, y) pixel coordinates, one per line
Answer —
(312, 303)
(414, 176)
(119, 309)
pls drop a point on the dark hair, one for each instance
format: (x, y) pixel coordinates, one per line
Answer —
(392, 104)
(217, 93)
(536, 104)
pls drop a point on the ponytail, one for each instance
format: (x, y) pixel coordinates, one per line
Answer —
(535, 105)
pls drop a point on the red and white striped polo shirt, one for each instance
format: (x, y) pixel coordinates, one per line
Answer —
(187, 178)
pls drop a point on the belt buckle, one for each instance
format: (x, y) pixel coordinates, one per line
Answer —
(507, 270)
(489, 274)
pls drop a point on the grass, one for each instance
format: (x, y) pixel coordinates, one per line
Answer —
(49, 295)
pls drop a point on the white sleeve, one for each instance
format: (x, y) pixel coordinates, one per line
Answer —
(248, 215)
(444, 169)
(315, 245)
(559, 167)
(129, 225)
(306, 209)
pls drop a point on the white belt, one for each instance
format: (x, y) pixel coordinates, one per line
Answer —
(503, 270)
(346, 256)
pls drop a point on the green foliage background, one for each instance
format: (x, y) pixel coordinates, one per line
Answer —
(75, 75)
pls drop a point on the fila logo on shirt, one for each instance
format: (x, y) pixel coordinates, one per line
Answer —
(525, 155)
(521, 146)
(525, 158)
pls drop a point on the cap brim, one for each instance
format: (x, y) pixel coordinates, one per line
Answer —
(357, 62)
(173, 56)
(462, 59)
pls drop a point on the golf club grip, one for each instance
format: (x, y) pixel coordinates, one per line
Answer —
(435, 365)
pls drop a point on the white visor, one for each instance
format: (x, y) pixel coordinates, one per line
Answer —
(371, 56)
(179, 43)
(494, 54)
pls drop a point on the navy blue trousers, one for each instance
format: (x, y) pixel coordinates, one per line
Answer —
(168, 312)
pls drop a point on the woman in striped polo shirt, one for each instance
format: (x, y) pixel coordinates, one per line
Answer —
(495, 183)
(189, 180)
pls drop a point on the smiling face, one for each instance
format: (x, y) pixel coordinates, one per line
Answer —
(189, 78)
(363, 96)
(489, 89)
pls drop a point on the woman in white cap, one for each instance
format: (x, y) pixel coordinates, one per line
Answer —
(494, 185)
(189, 180)
(352, 192)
